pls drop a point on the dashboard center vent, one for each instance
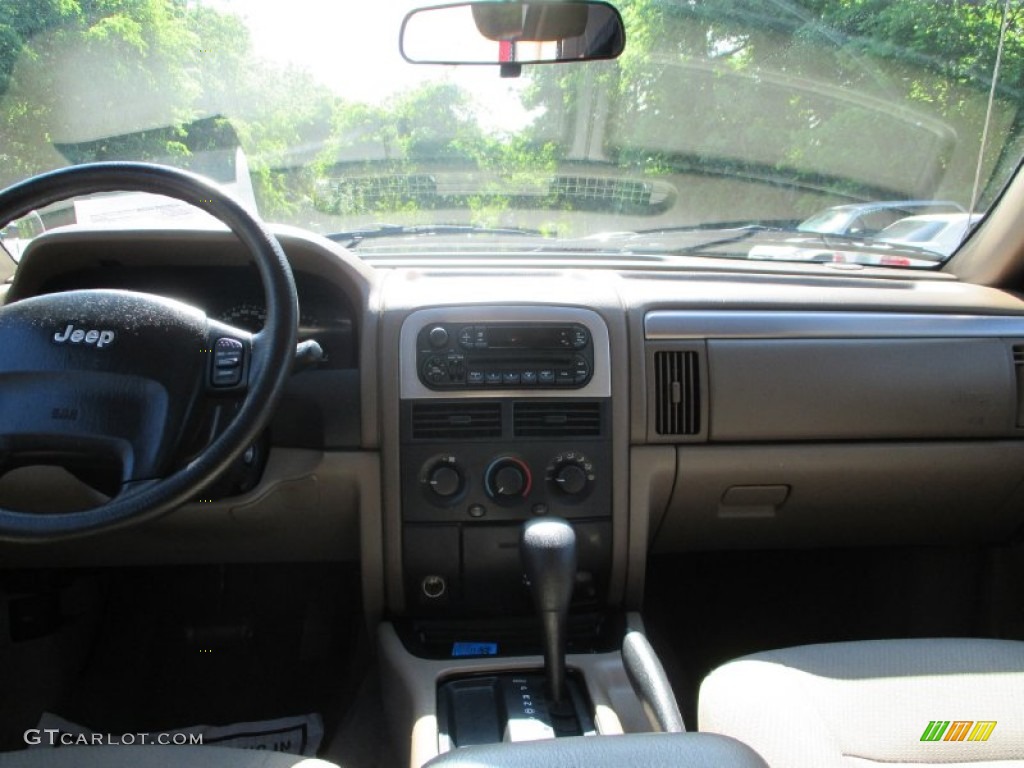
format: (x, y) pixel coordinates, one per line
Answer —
(556, 419)
(436, 421)
(676, 393)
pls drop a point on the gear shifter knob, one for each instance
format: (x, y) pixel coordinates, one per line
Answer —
(548, 551)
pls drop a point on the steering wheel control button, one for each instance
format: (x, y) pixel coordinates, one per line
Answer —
(228, 362)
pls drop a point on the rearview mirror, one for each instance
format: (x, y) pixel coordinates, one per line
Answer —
(532, 32)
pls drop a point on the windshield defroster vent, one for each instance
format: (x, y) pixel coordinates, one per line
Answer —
(677, 406)
(596, 193)
(436, 421)
(557, 419)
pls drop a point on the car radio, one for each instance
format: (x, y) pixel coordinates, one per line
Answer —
(504, 355)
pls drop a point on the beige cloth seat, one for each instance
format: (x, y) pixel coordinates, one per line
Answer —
(155, 757)
(846, 705)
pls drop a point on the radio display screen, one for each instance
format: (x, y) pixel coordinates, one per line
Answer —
(523, 337)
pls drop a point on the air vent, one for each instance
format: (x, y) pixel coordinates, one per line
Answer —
(433, 421)
(557, 419)
(676, 393)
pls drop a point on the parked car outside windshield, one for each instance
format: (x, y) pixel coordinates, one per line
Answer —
(719, 115)
(940, 233)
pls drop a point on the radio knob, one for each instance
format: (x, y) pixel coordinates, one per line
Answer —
(571, 479)
(507, 478)
(438, 336)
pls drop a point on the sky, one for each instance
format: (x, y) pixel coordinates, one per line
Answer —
(353, 49)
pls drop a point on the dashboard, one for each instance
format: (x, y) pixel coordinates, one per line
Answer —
(721, 408)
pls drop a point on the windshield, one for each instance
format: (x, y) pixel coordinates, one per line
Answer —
(719, 114)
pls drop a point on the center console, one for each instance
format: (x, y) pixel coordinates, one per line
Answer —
(504, 418)
(509, 536)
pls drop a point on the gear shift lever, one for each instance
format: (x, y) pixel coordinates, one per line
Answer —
(548, 551)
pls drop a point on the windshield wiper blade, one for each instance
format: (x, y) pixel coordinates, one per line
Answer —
(724, 236)
(353, 237)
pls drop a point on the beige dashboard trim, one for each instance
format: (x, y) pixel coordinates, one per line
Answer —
(671, 325)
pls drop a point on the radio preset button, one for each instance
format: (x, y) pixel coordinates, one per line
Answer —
(529, 377)
(475, 378)
(492, 377)
(510, 377)
(546, 377)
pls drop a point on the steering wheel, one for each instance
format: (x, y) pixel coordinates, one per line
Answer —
(122, 376)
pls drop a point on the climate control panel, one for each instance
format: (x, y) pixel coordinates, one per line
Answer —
(505, 460)
(487, 482)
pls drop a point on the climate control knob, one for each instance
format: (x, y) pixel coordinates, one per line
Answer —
(445, 481)
(571, 479)
(507, 479)
(442, 479)
(571, 474)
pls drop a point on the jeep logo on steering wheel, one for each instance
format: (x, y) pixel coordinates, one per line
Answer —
(100, 338)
